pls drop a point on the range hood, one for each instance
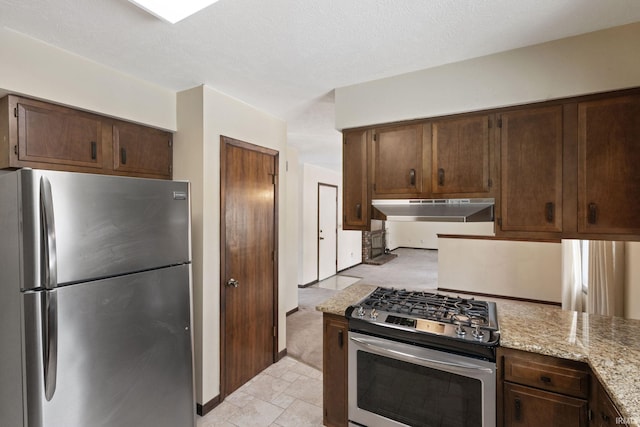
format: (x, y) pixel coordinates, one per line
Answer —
(443, 210)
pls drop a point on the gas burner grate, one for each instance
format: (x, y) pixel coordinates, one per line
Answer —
(429, 305)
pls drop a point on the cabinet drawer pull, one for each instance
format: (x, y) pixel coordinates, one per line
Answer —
(123, 156)
(440, 177)
(545, 380)
(412, 177)
(593, 213)
(94, 150)
(518, 409)
(550, 208)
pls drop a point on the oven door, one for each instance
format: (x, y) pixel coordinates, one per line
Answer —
(397, 384)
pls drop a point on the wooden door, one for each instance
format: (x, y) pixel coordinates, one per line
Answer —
(397, 161)
(531, 156)
(141, 150)
(248, 261)
(327, 230)
(460, 155)
(355, 193)
(608, 171)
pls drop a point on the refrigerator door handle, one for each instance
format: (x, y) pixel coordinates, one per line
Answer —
(49, 252)
(50, 341)
(50, 297)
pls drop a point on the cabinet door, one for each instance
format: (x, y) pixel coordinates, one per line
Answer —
(605, 413)
(356, 204)
(460, 155)
(58, 135)
(397, 161)
(608, 159)
(526, 406)
(141, 150)
(334, 369)
(531, 155)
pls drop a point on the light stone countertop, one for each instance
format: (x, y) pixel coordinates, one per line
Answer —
(610, 345)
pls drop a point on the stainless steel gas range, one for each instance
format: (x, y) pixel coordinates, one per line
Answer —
(422, 359)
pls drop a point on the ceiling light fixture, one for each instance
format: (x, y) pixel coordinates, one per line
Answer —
(170, 10)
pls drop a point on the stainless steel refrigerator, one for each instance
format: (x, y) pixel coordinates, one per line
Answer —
(95, 323)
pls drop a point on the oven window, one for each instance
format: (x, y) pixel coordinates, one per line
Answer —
(417, 395)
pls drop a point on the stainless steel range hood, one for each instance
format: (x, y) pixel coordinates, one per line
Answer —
(443, 210)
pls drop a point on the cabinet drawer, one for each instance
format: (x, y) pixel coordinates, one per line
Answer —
(547, 374)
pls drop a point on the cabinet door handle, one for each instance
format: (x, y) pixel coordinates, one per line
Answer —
(359, 211)
(518, 409)
(412, 177)
(94, 150)
(340, 339)
(550, 208)
(441, 177)
(593, 213)
(123, 156)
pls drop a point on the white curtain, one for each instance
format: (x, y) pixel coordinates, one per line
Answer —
(572, 296)
(606, 278)
(600, 270)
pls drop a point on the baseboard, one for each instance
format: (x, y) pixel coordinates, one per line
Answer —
(292, 311)
(203, 410)
(281, 355)
(462, 291)
(306, 285)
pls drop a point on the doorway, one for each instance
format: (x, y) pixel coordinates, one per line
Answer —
(248, 261)
(327, 230)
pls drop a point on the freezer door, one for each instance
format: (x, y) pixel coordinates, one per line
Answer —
(80, 227)
(122, 357)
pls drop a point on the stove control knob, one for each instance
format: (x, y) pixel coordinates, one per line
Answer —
(461, 332)
(361, 312)
(374, 314)
(477, 333)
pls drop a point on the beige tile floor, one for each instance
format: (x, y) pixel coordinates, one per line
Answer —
(286, 394)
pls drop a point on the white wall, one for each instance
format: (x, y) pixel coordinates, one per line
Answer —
(632, 281)
(39, 70)
(594, 62)
(530, 270)
(197, 158)
(424, 235)
(292, 213)
(349, 242)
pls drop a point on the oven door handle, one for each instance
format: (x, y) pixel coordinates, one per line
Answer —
(370, 344)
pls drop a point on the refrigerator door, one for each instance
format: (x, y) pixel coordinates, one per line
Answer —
(122, 357)
(79, 227)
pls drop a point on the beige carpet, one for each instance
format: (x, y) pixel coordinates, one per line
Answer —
(412, 269)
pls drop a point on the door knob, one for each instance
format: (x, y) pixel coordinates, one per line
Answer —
(233, 282)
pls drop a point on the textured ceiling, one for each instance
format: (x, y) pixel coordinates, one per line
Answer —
(286, 56)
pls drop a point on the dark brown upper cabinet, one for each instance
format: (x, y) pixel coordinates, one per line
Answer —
(55, 135)
(608, 165)
(43, 135)
(460, 155)
(397, 161)
(356, 204)
(143, 150)
(531, 165)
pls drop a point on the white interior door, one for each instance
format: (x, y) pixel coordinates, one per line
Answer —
(327, 230)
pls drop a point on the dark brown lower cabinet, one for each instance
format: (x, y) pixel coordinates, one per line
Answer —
(603, 411)
(527, 406)
(334, 370)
